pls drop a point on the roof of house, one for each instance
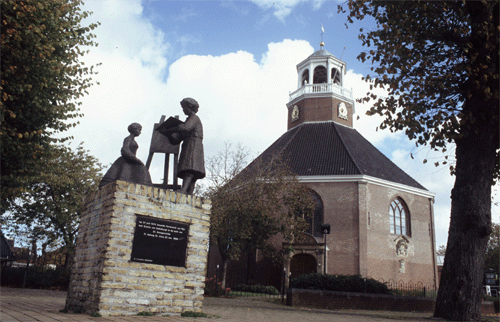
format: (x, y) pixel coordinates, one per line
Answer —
(331, 149)
(5, 249)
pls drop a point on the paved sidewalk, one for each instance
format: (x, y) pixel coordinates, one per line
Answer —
(25, 305)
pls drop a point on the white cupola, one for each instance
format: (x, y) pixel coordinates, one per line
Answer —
(320, 94)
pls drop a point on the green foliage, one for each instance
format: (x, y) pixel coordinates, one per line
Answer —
(257, 288)
(42, 80)
(439, 63)
(339, 283)
(441, 250)
(145, 313)
(96, 315)
(251, 206)
(49, 209)
(495, 300)
(416, 292)
(38, 277)
(261, 202)
(191, 314)
(493, 249)
(214, 288)
(78, 310)
(434, 58)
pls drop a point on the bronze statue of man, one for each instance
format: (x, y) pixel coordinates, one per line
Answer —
(191, 160)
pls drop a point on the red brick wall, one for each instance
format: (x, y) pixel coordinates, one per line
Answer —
(359, 301)
(362, 301)
(319, 109)
(382, 262)
(360, 241)
(340, 202)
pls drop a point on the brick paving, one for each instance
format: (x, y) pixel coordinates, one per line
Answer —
(26, 305)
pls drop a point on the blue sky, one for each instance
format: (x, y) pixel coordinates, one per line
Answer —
(238, 60)
(216, 28)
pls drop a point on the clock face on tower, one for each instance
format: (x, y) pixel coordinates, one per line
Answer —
(342, 110)
(295, 113)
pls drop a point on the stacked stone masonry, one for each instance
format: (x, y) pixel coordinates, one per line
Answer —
(105, 280)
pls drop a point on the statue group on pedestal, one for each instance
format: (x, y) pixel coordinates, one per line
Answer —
(191, 166)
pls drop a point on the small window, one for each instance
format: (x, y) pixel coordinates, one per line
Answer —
(399, 218)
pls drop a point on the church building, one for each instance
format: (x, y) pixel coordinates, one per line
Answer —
(381, 219)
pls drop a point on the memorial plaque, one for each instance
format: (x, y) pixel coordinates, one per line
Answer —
(160, 241)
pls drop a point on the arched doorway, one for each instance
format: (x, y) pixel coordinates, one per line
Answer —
(302, 264)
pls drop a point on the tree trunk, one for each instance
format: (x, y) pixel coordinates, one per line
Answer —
(460, 289)
(69, 258)
(224, 272)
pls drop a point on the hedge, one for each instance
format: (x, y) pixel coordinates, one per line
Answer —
(339, 283)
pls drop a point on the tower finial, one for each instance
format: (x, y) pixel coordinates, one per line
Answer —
(322, 44)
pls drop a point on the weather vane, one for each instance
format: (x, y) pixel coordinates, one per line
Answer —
(322, 44)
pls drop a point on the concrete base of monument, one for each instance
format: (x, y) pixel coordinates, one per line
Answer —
(140, 249)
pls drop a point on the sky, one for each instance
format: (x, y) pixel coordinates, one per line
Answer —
(238, 60)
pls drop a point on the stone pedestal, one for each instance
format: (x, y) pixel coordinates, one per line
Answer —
(106, 279)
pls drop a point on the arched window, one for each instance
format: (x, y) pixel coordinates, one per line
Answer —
(305, 77)
(314, 222)
(335, 76)
(399, 218)
(320, 75)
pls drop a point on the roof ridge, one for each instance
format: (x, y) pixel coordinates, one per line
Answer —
(280, 150)
(290, 139)
(383, 156)
(347, 148)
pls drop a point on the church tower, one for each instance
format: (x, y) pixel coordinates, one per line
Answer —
(320, 94)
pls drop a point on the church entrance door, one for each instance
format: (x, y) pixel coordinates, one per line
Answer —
(302, 264)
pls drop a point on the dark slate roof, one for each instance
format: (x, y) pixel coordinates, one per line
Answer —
(328, 148)
(320, 53)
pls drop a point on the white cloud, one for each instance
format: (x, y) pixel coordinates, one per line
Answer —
(283, 8)
(241, 100)
(186, 14)
(367, 125)
(436, 179)
(124, 30)
(242, 97)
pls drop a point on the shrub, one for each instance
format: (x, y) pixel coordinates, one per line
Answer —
(495, 300)
(38, 277)
(191, 314)
(214, 288)
(339, 283)
(145, 313)
(257, 289)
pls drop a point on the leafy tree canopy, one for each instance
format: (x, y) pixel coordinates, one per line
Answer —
(439, 62)
(49, 209)
(42, 80)
(493, 249)
(253, 205)
(431, 57)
